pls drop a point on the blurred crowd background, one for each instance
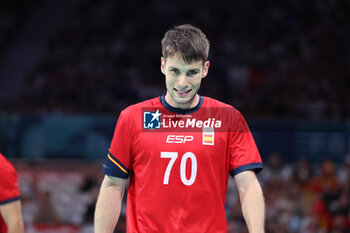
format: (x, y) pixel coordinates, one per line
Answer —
(276, 61)
(271, 56)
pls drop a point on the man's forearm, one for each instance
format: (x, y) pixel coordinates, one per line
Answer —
(108, 206)
(253, 208)
(252, 201)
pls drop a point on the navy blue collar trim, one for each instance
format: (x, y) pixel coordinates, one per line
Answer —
(180, 110)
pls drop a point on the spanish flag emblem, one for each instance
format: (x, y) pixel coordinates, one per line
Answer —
(208, 136)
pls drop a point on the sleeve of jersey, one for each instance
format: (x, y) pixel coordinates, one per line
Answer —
(244, 153)
(118, 160)
(9, 191)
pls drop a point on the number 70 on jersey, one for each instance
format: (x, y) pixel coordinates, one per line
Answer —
(173, 156)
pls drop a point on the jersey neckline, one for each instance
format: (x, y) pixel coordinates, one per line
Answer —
(181, 110)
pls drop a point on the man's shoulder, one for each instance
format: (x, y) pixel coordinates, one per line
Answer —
(214, 103)
(6, 169)
(5, 163)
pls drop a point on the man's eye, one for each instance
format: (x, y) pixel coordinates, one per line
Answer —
(192, 72)
(175, 71)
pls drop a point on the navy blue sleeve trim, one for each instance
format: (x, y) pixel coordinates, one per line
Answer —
(256, 167)
(115, 168)
(9, 200)
(120, 163)
(114, 172)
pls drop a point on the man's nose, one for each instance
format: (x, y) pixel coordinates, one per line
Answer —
(182, 81)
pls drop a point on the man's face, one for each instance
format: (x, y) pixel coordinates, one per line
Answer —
(183, 81)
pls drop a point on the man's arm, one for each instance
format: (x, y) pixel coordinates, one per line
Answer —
(252, 201)
(109, 204)
(11, 213)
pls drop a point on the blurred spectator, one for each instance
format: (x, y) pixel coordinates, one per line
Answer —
(46, 214)
(302, 172)
(276, 169)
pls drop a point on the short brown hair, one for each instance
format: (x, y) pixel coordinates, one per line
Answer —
(188, 41)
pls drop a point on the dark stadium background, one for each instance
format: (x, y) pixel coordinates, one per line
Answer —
(67, 68)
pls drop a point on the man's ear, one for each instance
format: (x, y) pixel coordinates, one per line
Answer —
(205, 69)
(162, 65)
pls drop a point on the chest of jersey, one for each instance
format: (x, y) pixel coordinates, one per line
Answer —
(181, 158)
(182, 172)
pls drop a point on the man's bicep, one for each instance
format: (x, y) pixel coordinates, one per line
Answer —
(114, 181)
(245, 179)
(11, 211)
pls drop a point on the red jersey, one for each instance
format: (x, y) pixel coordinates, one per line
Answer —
(178, 161)
(8, 186)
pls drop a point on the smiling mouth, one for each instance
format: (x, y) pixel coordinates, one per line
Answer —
(182, 93)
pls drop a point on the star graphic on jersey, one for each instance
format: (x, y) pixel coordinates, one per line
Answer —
(155, 115)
